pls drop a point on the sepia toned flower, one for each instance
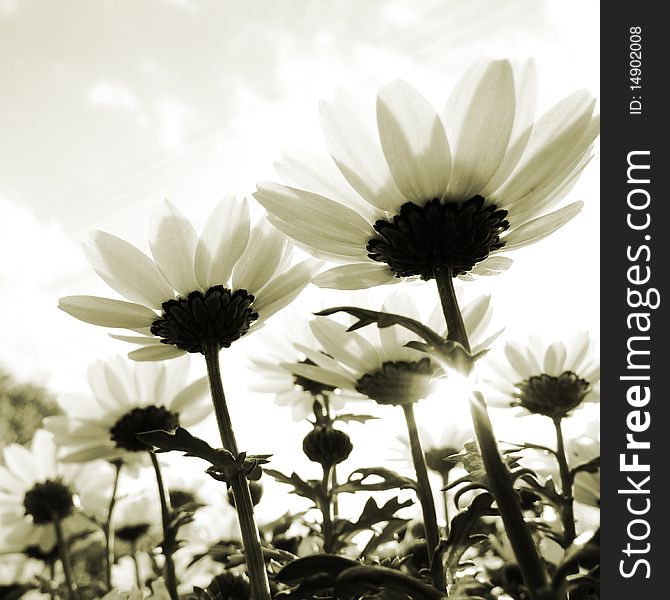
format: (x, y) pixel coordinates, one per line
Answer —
(425, 193)
(215, 287)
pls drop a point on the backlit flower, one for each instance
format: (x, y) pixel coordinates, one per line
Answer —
(36, 489)
(423, 193)
(127, 398)
(284, 344)
(213, 288)
(376, 363)
(548, 379)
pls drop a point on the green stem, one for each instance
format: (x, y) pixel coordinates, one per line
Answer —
(445, 500)
(170, 574)
(567, 512)
(326, 507)
(108, 530)
(260, 588)
(528, 558)
(64, 553)
(136, 562)
(52, 580)
(333, 486)
(425, 494)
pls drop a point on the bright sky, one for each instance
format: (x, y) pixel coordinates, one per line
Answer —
(109, 106)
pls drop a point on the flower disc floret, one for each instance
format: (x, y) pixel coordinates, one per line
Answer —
(49, 501)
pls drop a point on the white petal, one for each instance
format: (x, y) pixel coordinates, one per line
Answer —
(173, 242)
(97, 381)
(484, 130)
(477, 315)
(261, 259)
(579, 345)
(394, 338)
(525, 79)
(107, 312)
(284, 288)
(355, 276)
(10, 482)
(322, 360)
(222, 242)
(348, 347)
(554, 359)
(557, 139)
(22, 463)
(127, 270)
(414, 142)
(193, 393)
(520, 363)
(162, 352)
(316, 218)
(494, 265)
(354, 145)
(319, 175)
(142, 340)
(322, 375)
(541, 227)
(103, 449)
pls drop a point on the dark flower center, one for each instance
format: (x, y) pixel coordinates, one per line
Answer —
(436, 459)
(48, 501)
(34, 551)
(132, 533)
(179, 498)
(399, 382)
(125, 430)
(451, 236)
(309, 385)
(552, 396)
(219, 316)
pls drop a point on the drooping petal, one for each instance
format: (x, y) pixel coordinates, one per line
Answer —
(261, 259)
(316, 219)
(541, 227)
(414, 142)
(222, 242)
(485, 118)
(173, 241)
(127, 270)
(284, 288)
(354, 145)
(162, 352)
(494, 265)
(107, 312)
(142, 340)
(356, 276)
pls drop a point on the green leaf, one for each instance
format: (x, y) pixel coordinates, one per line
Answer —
(590, 466)
(388, 583)
(472, 461)
(306, 489)
(460, 532)
(348, 418)
(386, 535)
(371, 515)
(389, 480)
(329, 564)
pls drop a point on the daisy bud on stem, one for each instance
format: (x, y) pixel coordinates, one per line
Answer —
(260, 587)
(528, 558)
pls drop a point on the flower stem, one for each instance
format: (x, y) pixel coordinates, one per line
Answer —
(108, 530)
(136, 563)
(425, 494)
(445, 499)
(170, 574)
(260, 588)
(333, 486)
(326, 508)
(64, 553)
(528, 558)
(567, 512)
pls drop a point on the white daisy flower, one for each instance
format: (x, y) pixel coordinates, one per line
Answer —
(127, 398)
(213, 288)
(376, 363)
(548, 379)
(36, 489)
(274, 372)
(424, 193)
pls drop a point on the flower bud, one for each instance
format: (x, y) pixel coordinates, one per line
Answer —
(327, 446)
